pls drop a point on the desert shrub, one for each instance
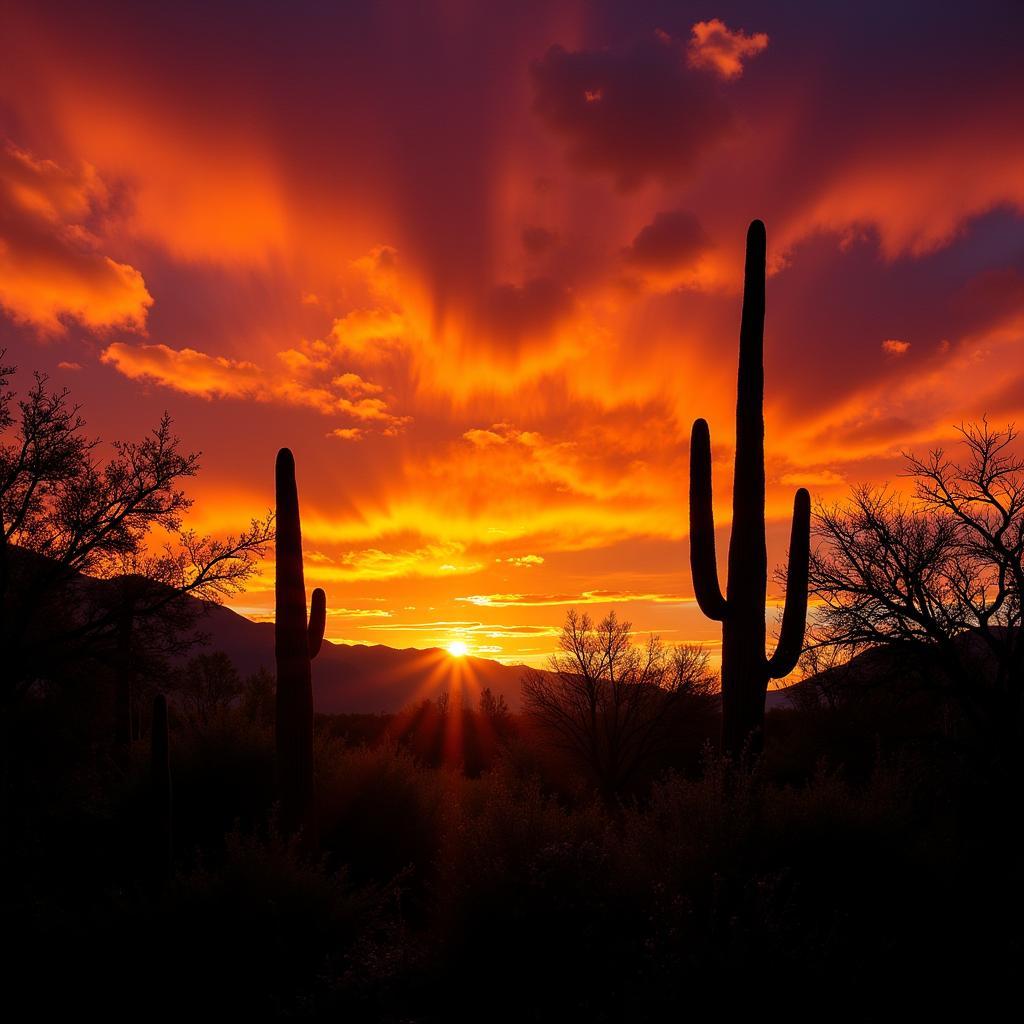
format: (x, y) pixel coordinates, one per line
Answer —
(223, 778)
(523, 890)
(264, 931)
(379, 811)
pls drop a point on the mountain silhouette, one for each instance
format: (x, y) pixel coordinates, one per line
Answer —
(358, 678)
(346, 677)
(895, 670)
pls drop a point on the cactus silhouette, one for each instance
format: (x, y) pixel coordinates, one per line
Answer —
(745, 668)
(160, 782)
(296, 642)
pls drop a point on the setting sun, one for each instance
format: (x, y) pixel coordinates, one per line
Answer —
(457, 649)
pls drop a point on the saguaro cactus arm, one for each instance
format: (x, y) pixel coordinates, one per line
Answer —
(745, 668)
(703, 561)
(794, 615)
(317, 621)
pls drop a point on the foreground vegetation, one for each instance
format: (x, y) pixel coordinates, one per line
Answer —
(841, 868)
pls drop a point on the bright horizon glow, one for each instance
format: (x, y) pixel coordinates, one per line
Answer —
(457, 649)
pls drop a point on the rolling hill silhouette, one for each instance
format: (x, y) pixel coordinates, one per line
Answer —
(346, 677)
(357, 678)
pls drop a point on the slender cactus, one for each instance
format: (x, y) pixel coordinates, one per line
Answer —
(160, 782)
(745, 668)
(296, 642)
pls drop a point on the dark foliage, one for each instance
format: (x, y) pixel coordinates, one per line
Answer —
(858, 849)
(922, 596)
(81, 587)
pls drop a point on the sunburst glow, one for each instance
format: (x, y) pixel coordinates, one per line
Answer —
(457, 649)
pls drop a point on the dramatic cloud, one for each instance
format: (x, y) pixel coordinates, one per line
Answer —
(484, 298)
(635, 116)
(196, 373)
(51, 262)
(673, 240)
(518, 314)
(713, 46)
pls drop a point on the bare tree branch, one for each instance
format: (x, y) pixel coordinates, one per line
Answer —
(609, 703)
(942, 570)
(69, 517)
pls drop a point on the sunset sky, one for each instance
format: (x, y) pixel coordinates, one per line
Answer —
(478, 265)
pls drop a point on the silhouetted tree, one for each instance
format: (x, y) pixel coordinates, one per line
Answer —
(258, 696)
(208, 684)
(495, 709)
(822, 671)
(608, 702)
(939, 572)
(69, 517)
(746, 670)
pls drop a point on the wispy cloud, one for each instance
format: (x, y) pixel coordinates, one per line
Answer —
(585, 597)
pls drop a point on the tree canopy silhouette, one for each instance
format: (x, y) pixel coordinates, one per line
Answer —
(608, 702)
(69, 517)
(940, 572)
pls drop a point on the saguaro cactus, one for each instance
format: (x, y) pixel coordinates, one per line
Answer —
(296, 642)
(745, 668)
(160, 783)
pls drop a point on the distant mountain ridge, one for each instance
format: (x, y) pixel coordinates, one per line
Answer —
(358, 678)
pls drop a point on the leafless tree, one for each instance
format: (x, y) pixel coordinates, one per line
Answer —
(493, 708)
(609, 702)
(207, 686)
(940, 573)
(82, 575)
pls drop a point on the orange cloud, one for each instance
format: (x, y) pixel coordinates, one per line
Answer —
(522, 561)
(204, 376)
(51, 264)
(372, 563)
(895, 347)
(917, 198)
(715, 47)
(586, 597)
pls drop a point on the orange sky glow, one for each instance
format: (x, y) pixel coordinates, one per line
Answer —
(479, 265)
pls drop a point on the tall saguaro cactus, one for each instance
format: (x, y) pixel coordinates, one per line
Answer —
(745, 668)
(296, 642)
